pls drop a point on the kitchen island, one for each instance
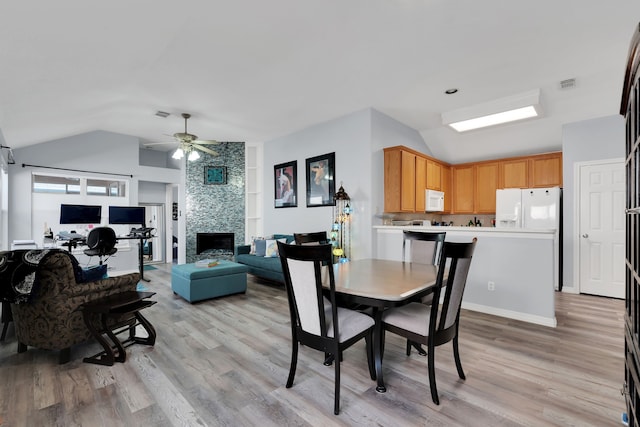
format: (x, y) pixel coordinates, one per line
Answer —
(512, 273)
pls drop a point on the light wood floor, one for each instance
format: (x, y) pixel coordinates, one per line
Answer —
(225, 362)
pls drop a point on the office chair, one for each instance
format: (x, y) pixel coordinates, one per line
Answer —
(101, 242)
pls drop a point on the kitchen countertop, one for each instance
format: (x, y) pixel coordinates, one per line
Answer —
(476, 230)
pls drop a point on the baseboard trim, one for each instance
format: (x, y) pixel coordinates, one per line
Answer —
(525, 317)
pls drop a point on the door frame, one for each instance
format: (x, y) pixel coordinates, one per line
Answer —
(162, 229)
(575, 237)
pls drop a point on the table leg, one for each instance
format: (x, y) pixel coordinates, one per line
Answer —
(377, 348)
(151, 339)
(108, 358)
(141, 259)
(121, 355)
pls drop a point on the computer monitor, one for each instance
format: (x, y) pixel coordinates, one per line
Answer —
(127, 215)
(80, 214)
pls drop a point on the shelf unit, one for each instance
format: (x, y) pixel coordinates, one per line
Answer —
(253, 191)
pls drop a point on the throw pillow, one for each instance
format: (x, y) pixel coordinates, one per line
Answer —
(271, 249)
(253, 244)
(261, 246)
(91, 274)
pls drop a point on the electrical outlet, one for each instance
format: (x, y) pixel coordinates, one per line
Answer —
(491, 286)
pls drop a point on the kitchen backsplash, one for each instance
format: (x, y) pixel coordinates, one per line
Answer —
(458, 220)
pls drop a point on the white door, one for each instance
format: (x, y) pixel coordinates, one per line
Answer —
(602, 229)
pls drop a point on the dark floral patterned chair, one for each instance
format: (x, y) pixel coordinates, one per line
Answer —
(50, 318)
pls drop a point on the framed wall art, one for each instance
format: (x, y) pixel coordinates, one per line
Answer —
(321, 185)
(286, 185)
(215, 175)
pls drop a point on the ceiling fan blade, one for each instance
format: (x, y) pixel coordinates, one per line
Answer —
(159, 143)
(206, 141)
(205, 149)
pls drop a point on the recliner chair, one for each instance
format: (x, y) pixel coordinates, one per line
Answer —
(101, 242)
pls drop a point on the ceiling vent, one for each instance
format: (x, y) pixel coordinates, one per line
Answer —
(567, 84)
(162, 114)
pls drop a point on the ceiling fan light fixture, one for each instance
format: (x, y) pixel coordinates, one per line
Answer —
(193, 155)
(178, 154)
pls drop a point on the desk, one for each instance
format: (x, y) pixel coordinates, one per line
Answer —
(381, 284)
(142, 238)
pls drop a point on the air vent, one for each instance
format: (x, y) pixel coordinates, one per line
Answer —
(162, 114)
(567, 84)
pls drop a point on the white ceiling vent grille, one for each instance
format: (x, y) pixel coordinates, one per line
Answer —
(567, 84)
(163, 114)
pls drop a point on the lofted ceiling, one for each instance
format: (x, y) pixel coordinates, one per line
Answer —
(253, 70)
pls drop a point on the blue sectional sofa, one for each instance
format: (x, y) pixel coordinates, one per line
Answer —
(262, 266)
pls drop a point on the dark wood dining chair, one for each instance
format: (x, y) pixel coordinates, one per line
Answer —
(436, 324)
(316, 321)
(425, 248)
(307, 238)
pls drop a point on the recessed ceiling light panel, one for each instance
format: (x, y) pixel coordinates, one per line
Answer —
(518, 107)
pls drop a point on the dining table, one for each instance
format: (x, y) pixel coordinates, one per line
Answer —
(381, 284)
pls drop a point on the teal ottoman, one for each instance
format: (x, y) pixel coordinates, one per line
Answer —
(199, 283)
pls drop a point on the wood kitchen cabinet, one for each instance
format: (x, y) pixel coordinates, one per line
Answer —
(469, 188)
(514, 173)
(446, 187)
(399, 180)
(421, 183)
(486, 184)
(434, 175)
(545, 170)
(462, 196)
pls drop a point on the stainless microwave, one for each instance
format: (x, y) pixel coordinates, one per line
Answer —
(434, 201)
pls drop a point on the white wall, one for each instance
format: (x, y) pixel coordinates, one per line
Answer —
(152, 192)
(357, 140)
(597, 139)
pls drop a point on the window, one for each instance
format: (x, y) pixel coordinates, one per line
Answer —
(55, 184)
(101, 187)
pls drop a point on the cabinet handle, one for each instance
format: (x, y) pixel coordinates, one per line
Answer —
(632, 211)
(585, 235)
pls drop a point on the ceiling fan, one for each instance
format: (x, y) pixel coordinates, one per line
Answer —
(188, 143)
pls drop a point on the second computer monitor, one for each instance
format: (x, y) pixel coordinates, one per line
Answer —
(129, 215)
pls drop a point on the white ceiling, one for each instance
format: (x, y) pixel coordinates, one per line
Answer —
(254, 70)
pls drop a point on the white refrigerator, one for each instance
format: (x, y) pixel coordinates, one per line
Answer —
(533, 208)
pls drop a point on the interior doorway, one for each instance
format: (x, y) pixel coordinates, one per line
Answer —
(601, 228)
(153, 249)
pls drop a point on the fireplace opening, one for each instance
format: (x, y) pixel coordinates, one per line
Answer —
(214, 242)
